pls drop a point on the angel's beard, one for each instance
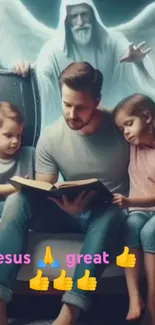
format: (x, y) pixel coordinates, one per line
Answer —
(82, 36)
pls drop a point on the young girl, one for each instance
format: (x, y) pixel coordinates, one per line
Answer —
(14, 159)
(135, 117)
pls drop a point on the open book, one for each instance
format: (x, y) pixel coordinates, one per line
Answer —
(69, 188)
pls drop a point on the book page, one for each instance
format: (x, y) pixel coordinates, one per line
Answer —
(76, 183)
(32, 183)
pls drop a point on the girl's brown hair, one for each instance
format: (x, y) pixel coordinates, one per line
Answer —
(137, 104)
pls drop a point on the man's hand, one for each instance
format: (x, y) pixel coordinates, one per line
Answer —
(121, 201)
(22, 68)
(76, 206)
(135, 53)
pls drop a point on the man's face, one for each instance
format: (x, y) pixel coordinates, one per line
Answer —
(79, 17)
(78, 107)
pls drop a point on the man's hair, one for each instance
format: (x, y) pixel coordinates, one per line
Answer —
(81, 76)
(135, 104)
(8, 110)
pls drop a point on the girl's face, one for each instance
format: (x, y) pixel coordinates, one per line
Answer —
(135, 128)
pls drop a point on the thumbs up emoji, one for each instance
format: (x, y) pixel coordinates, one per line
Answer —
(126, 259)
(63, 282)
(39, 282)
(86, 282)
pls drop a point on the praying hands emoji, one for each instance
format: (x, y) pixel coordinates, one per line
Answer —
(48, 259)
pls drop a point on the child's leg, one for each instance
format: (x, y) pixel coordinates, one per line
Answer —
(3, 317)
(135, 222)
(132, 278)
(148, 242)
(150, 273)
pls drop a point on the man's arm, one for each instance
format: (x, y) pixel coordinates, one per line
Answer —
(46, 178)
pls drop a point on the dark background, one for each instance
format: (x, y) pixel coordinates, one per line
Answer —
(112, 12)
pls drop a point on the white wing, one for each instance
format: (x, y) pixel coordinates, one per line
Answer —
(141, 28)
(21, 35)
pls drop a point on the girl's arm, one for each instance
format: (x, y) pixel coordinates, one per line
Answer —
(125, 202)
(141, 202)
(6, 189)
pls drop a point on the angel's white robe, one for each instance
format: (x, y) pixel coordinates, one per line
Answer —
(120, 79)
(21, 35)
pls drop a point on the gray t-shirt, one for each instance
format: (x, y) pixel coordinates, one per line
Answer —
(103, 155)
(20, 164)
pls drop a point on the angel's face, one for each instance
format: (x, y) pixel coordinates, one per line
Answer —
(79, 18)
(10, 137)
(135, 128)
(78, 107)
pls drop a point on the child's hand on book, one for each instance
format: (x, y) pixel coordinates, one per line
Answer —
(121, 200)
(76, 206)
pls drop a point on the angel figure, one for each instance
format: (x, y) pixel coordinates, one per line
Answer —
(79, 36)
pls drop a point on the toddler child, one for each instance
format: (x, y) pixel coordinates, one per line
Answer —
(14, 159)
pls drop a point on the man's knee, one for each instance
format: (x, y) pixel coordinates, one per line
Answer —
(15, 206)
(107, 229)
(114, 216)
(110, 219)
(16, 201)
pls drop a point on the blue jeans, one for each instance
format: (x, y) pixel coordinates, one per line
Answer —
(1, 207)
(141, 230)
(103, 231)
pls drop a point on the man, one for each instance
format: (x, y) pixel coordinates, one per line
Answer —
(81, 36)
(83, 144)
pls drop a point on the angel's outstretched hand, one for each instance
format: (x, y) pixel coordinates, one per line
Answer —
(22, 68)
(135, 53)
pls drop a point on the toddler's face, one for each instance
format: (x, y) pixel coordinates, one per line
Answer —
(10, 137)
(133, 127)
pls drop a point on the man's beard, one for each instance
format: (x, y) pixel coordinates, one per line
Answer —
(78, 124)
(82, 35)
